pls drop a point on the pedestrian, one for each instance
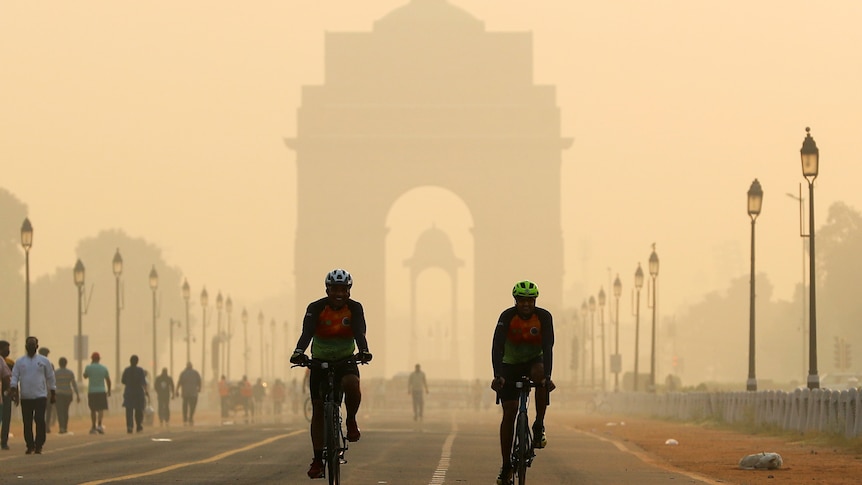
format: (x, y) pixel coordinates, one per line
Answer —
(522, 345)
(336, 325)
(165, 391)
(416, 386)
(98, 391)
(49, 410)
(135, 394)
(33, 385)
(190, 386)
(259, 392)
(6, 380)
(224, 395)
(7, 410)
(246, 394)
(279, 394)
(66, 385)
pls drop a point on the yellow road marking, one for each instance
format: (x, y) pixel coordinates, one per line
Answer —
(177, 466)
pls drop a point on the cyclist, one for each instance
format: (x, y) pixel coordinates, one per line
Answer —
(334, 326)
(523, 345)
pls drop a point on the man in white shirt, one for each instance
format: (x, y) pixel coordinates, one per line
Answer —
(32, 380)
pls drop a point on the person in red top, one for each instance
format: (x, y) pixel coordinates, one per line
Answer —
(523, 345)
(334, 326)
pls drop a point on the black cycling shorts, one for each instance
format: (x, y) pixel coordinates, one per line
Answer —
(512, 373)
(317, 379)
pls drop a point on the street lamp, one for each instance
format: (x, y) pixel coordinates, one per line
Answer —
(802, 234)
(245, 341)
(616, 360)
(639, 283)
(755, 202)
(583, 351)
(272, 348)
(260, 321)
(79, 282)
(602, 326)
(653, 272)
(118, 270)
(186, 296)
(592, 342)
(205, 298)
(26, 243)
(810, 166)
(228, 306)
(171, 343)
(154, 285)
(219, 364)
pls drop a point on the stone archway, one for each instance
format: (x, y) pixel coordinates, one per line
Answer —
(429, 97)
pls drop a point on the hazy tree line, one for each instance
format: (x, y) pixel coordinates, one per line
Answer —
(54, 302)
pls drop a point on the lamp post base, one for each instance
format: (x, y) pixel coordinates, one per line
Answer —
(751, 384)
(813, 381)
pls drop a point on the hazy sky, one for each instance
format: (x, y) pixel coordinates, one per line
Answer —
(167, 119)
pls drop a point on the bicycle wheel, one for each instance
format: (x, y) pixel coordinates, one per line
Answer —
(307, 409)
(521, 449)
(333, 451)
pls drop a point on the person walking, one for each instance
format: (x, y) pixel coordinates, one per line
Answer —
(279, 395)
(135, 394)
(7, 409)
(49, 410)
(190, 386)
(336, 326)
(523, 345)
(259, 392)
(416, 386)
(66, 386)
(6, 380)
(34, 386)
(98, 391)
(245, 392)
(224, 395)
(165, 391)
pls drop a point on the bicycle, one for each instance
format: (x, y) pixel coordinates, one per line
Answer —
(307, 409)
(334, 440)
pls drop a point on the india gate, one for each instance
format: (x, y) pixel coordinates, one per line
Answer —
(429, 99)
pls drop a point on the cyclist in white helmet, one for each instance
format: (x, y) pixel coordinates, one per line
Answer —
(334, 326)
(523, 345)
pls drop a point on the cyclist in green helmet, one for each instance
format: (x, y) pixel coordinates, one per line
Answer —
(523, 345)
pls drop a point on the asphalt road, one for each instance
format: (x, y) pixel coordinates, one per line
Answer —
(446, 448)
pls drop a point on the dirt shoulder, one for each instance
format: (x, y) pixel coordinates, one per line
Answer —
(715, 452)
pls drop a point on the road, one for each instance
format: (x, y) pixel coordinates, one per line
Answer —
(447, 448)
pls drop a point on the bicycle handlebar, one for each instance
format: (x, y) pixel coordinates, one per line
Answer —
(323, 364)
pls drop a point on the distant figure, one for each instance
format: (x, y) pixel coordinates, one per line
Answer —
(98, 392)
(190, 386)
(5, 379)
(165, 391)
(416, 384)
(224, 395)
(135, 394)
(34, 386)
(66, 385)
(279, 394)
(7, 409)
(49, 414)
(246, 394)
(259, 392)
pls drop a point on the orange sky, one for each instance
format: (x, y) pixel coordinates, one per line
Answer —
(167, 119)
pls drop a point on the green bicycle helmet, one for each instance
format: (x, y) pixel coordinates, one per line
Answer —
(525, 288)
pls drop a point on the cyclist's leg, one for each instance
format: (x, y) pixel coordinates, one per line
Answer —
(537, 374)
(352, 394)
(507, 431)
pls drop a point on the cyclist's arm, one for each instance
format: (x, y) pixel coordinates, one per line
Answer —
(547, 341)
(309, 324)
(357, 323)
(498, 344)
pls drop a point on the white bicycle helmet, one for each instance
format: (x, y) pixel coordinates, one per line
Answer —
(339, 277)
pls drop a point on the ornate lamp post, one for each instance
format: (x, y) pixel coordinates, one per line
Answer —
(205, 298)
(810, 167)
(272, 340)
(755, 201)
(602, 327)
(171, 343)
(639, 283)
(228, 306)
(219, 367)
(117, 266)
(186, 296)
(592, 342)
(616, 361)
(154, 285)
(653, 272)
(26, 243)
(583, 350)
(245, 341)
(78, 274)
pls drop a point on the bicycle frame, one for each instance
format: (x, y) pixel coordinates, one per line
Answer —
(522, 448)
